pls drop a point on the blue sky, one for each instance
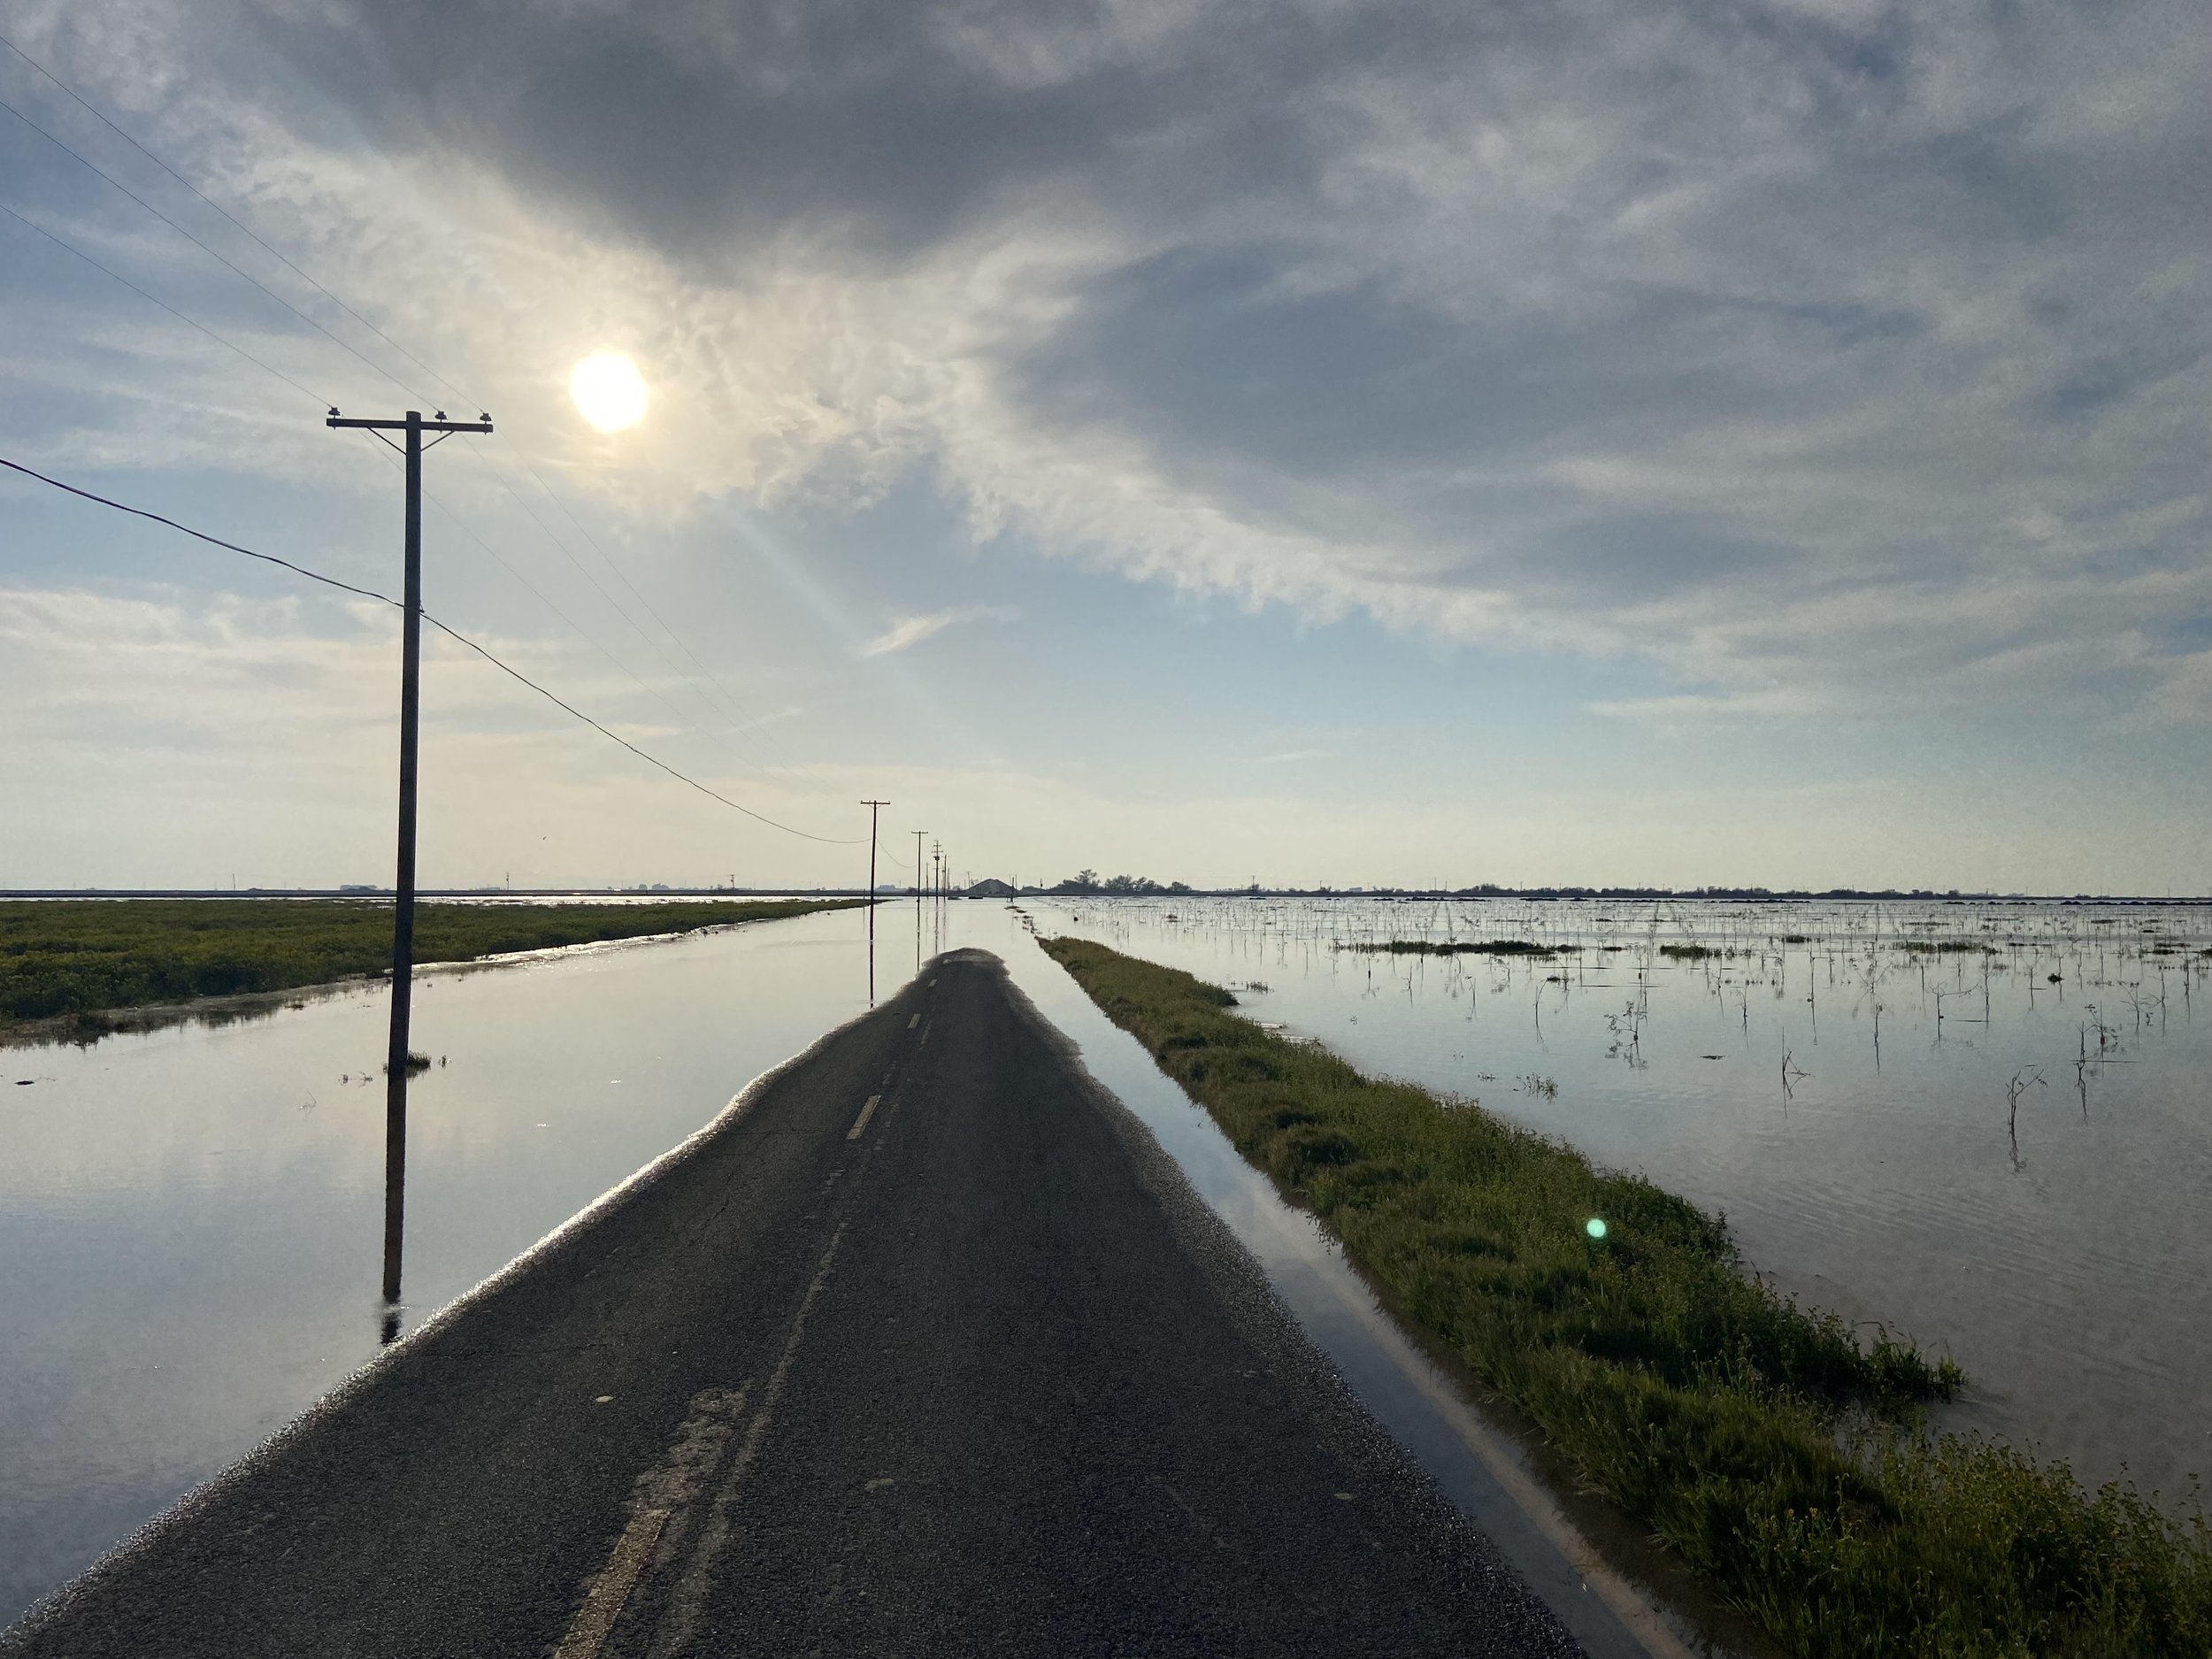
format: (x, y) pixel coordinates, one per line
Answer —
(1324, 442)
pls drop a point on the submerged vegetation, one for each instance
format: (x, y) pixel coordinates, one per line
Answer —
(61, 958)
(1760, 1442)
(1455, 947)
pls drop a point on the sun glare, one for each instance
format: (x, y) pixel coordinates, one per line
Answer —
(609, 391)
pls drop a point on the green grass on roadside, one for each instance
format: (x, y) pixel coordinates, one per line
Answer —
(1760, 1441)
(82, 957)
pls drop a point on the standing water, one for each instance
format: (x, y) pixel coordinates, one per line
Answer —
(1988, 1126)
(192, 1220)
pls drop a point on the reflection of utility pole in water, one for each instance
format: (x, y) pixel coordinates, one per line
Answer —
(937, 910)
(874, 807)
(403, 886)
(917, 899)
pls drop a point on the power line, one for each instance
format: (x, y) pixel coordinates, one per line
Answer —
(613, 603)
(280, 374)
(101, 115)
(450, 632)
(492, 553)
(744, 726)
(244, 276)
(827, 840)
(748, 724)
(231, 345)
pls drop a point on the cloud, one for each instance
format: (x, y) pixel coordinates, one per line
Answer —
(1290, 756)
(160, 740)
(1845, 348)
(913, 630)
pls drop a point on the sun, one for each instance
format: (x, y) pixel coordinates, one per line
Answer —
(609, 391)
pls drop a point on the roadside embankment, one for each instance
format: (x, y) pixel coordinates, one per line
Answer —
(66, 965)
(1768, 1450)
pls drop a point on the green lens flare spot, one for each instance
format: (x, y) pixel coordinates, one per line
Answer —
(1595, 1226)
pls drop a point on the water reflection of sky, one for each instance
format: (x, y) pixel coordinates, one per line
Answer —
(192, 1218)
(2066, 1271)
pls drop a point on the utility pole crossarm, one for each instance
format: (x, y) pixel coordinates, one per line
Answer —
(437, 423)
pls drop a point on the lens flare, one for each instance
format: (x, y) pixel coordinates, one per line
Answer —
(1595, 1226)
(609, 391)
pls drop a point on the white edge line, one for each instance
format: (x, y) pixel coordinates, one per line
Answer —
(1640, 1614)
(1630, 1605)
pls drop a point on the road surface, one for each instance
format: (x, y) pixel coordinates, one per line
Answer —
(923, 1347)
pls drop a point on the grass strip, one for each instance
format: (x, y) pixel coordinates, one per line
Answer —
(1760, 1442)
(81, 958)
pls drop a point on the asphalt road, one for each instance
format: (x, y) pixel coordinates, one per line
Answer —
(924, 1347)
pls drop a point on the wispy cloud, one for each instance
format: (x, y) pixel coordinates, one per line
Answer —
(1287, 756)
(1770, 701)
(913, 630)
(1823, 316)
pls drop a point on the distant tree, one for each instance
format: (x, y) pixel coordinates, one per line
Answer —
(1132, 885)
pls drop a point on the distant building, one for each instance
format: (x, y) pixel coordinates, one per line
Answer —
(989, 887)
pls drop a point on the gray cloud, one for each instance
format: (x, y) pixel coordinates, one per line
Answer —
(1842, 347)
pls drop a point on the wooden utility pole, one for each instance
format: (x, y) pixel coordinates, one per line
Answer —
(404, 885)
(874, 807)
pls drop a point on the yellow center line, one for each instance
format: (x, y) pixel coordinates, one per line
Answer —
(595, 1618)
(861, 1122)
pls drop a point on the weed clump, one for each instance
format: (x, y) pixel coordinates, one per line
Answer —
(1759, 1440)
(1454, 947)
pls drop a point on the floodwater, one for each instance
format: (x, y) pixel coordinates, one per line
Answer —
(1988, 1126)
(192, 1218)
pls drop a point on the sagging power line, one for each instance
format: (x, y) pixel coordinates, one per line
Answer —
(242, 229)
(451, 633)
(744, 726)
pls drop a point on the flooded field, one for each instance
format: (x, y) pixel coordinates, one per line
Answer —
(192, 1218)
(1989, 1126)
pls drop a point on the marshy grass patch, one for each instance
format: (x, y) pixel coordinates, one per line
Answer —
(75, 961)
(1788, 1462)
(1454, 947)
